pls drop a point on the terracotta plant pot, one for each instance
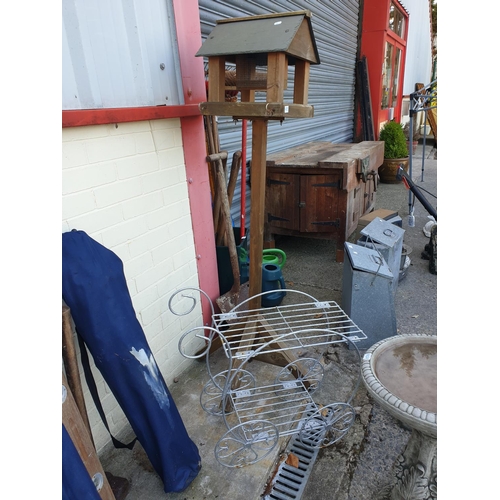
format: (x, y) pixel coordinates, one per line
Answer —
(388, 170)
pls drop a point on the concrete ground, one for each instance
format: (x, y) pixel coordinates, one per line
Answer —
(359, 467)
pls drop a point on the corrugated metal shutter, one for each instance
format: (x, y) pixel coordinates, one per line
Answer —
(331, 83)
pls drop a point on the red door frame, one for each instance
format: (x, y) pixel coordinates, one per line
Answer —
(395, 41)
(375, 33)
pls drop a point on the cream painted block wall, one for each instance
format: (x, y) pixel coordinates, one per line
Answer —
(125, 186)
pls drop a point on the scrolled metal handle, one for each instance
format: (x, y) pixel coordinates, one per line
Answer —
(208, 339)
(193, 300)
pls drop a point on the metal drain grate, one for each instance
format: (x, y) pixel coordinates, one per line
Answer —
(289, 482)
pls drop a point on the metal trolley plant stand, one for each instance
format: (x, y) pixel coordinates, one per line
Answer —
(258, 413)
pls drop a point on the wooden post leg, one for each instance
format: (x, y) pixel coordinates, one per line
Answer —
(71, 366)
(77, 421)
(259, 147)
(72, 420)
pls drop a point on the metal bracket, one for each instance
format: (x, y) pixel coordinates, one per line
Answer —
(335, 223)
(363, 166)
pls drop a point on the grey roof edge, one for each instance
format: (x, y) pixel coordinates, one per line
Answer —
(306, 13)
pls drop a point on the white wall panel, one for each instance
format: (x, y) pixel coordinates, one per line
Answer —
(419, 45)
(113, 52)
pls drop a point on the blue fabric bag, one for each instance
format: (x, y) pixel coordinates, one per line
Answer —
(94, 288)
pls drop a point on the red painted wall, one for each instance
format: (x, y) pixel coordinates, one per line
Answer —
(187, 21)
(375, 33)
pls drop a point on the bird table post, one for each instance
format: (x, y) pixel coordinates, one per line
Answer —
(261, 48)
(257, 204)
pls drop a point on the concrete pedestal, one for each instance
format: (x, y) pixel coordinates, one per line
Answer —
(400, 374)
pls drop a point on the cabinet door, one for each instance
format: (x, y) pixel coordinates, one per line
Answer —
(319, 203)
(282, 198)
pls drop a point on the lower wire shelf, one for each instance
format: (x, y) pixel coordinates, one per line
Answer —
(270, 412)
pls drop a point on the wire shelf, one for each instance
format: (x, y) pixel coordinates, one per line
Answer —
(283, 404)
(295, 326)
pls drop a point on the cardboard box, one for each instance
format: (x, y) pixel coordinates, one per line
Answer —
(383, 213)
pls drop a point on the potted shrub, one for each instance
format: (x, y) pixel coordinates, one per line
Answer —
(395, 152)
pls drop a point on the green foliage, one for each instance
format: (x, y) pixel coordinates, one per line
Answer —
(434, 17)
(395, 141)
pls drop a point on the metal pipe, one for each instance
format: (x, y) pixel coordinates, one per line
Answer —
(402, 175)
(423, 144)
(410, 195)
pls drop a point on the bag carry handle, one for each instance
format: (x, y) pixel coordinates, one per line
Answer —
(89, 377)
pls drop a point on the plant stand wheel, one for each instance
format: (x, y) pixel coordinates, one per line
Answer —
(211, 395)
(327, 425)
(246, 443)
(310, 374)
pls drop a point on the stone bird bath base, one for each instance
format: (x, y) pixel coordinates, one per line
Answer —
(400, 373)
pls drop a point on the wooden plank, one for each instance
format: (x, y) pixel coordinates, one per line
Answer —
(266, 333)
(354, 204)
(259, 147)
(301, 82)
(71, 367)
(320, 196)
(282, 193)
(280, 358)
(351, 180)
(248, 338)
(247, 95)
(250, 110)
(283, 355)
(277, 74)
(305, 155)
(302, 45)
(217, 201)
(349, 160)
(374, 149)
(226, 217)
(73, 422)
(216, 79)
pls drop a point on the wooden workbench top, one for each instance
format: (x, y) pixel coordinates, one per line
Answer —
(328, 155)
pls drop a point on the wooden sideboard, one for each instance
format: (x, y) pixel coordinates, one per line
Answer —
(321, 189)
